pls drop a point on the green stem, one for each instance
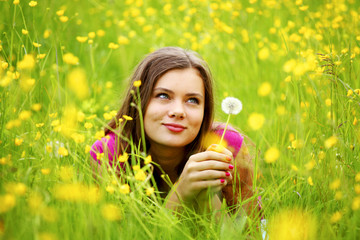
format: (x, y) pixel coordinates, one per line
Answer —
(141, 121)
(226, 125)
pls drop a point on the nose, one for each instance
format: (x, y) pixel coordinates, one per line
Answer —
(177, 110)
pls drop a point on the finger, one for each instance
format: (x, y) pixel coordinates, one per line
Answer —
(211, 175)
(210, 155)
(210, 184)
(209, 165)
(220, 149)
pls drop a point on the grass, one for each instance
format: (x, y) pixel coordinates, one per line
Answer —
(294, 63)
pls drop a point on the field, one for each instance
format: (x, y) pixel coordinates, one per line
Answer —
(294, 64)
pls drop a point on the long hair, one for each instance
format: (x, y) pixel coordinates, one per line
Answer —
(150, 69)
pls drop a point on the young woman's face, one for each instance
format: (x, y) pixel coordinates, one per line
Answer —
(175, 110)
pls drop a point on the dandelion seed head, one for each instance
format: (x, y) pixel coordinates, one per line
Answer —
(231, 105)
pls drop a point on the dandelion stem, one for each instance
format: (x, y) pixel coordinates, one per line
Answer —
(226, 125)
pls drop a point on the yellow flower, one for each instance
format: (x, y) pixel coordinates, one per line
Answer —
(81, 39)
(256, 121)
(4, 65)
(69, 58)
(150, 191)
(140, 175)
(24, 115)
(60, 12)
(264, 89)
(310, 165)
(38, 136)
(328, 102)
(76, 192)
(36, 44)
(107, 116)
(336, 217)
(297, 144)
(137, 83)
(16, 2)
(338, 195)
(310, 181)
(32, 3)
(113, 46)
(122, 40)
(87, 148)
(292, 224)
(147, 159)
(8, 201)
(124, 189)
(47, 33)
(63, 152)
(124, 157)
(128, 118)
(63, 19)
(349, 93)
(88, 125)
(355, 204)
(110, 189)
(45, 171)
(355, 121)
(295, 168)
(111, 212)
(357, 177)
(18, 141)
(264, 53)
(18, 189)
(36, 107)
(99, 156)
(24, 31)
(99, 135)
(49, 148)
(28, 62)
(335, 184)
(330, 142)
(271, 155)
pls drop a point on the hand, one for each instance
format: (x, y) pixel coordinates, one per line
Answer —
(205, 171)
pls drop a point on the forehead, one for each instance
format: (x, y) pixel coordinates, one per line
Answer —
(182, 79)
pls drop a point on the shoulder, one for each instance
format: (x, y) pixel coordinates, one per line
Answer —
(233, 138)
(105, 144)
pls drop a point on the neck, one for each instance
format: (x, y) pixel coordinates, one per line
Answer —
(168, 158)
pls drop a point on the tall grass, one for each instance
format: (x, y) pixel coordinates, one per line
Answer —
(293, 64)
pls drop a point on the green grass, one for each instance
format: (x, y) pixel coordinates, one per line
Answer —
(309, 56)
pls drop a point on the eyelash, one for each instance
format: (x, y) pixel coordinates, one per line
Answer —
(166, 96)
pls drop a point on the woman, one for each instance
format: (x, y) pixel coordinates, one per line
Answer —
(177, 101)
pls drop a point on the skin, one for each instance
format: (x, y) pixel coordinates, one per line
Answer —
(172, 120)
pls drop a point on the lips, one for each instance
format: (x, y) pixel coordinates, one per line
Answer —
(174, 127)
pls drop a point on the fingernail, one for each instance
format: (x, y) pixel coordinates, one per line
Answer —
(228, 158)
(231, 166)
(222, 180)
(227, 174)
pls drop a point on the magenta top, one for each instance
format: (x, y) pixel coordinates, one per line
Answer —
(232, 137)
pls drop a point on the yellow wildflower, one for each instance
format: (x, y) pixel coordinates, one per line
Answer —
(8, 201)
(310, 181)
(355, 121)
(338, 195)
(140, 175)
(37, 45)
(24, 31)
(77, 82)
(69, 58)
(150, 191)
(99, 156)
(16, 2)
(92, 34)
(147, 159)
(310, 165)
(124, 157)
(335, 184)
(355, 204)
(38, 135)
(110, 189)
(4, 65)
(264, 89)
(295, 168)
(33, 3)
(328, 102)
(87, 148)
(28, 62)
(330, 142)
(128, 118)
(60, 12)
(18, 189)
(63, 19)
(111, 212)
(99, 135)
(137, 83)
(18, 141)
(124, 189)
(47, 33)
(271, 155)
(24, 115)
(113, 46)
(122, 40)
(264, 53)
(76, 192)
(45, 171)
(256, 121)
(297, 143)
(357, 177)
(63, 152)
(88, 125)
(48, 148)
(336, 217)
(36, 107)
(81, 39)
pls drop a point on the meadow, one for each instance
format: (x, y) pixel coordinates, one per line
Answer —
(294, 64)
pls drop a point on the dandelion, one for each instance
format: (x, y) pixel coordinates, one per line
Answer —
(110, 189)
(113, 46)
(60, 12)
(355, 204)
(4, 65)
(328, 102)
(16, 2)
(28, 62)
(264, 53)
(150, 191)
(127, 118)
(124, 157)
(8, 201)
(122, 40)
(24, 31)
(111, 212)
(36, 107)
(310, 181)
(37, 45)
(140, 175)
(63, 19)
(24, 115)
(48, 148)
(63, 152)
(88, 125)
(230, 106)
(99, 135)
(18, 189)
(271, 155)
(256, 121)
(45, 171)
(335, 184)
(87, 148)
(295, 168)
(137, 83)
(81, 39)
(264, 89)
(18, 141)
(124, 189)
(33, 3)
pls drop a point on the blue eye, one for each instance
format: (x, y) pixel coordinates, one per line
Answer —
(162, 96)
(193, 100)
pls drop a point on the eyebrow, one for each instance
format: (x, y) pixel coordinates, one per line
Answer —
(160, 89)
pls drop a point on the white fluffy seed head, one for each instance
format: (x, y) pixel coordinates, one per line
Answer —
(231, 105)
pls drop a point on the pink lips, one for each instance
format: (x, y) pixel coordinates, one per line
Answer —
(174, 127)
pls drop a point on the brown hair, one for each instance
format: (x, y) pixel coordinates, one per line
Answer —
(150, 69)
